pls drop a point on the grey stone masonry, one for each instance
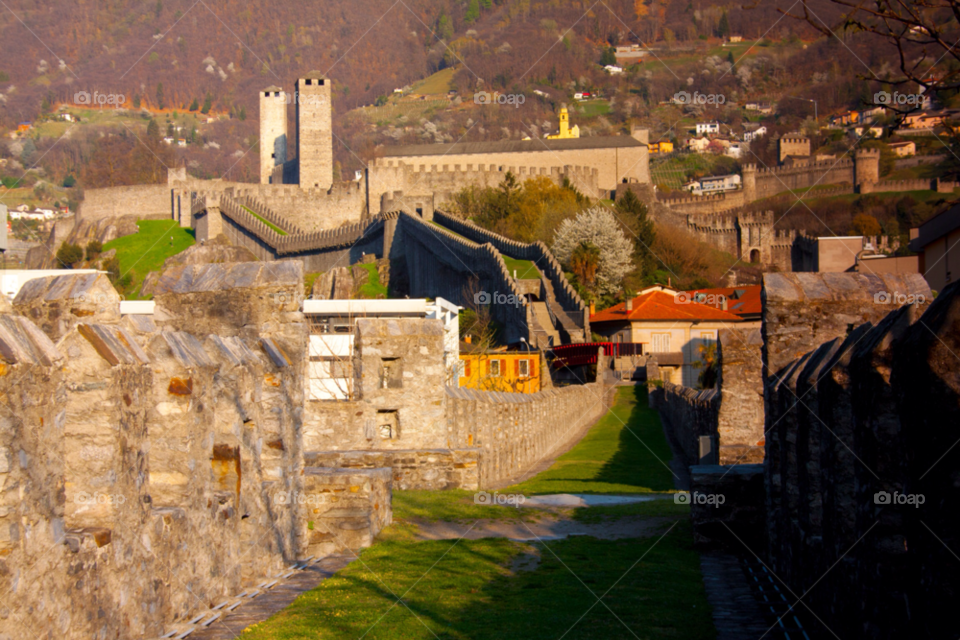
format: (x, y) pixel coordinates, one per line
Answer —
(860, 467)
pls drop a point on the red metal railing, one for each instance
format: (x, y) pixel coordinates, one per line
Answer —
(572, 355)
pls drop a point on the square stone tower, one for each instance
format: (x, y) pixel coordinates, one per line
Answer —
(273, 131)
(314, 131)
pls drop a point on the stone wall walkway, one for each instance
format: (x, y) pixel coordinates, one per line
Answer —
(736, 613)
(228, 620)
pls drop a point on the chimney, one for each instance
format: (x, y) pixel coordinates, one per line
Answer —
(468, 339)
(723, 305)
(629, 305)
(593, 308)
(669, 283)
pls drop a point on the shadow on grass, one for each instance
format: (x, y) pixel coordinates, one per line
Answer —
(625, 452)
(472, 590)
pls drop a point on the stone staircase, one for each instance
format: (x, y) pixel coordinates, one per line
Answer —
(544, 331)
(564, 324)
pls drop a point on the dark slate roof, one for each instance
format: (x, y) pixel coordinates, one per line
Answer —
(511, 146)
(94, 288)
(113, 343)
(232, 349)
(22, 342)
(187, 350)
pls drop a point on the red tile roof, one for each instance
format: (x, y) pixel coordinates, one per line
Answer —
(741, 301)
(663, 305)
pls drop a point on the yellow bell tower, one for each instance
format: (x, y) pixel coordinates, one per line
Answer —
(565, 130)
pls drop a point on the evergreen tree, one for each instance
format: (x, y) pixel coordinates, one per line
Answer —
(194, 105)
(153, 130)
(723, 30)
(608, 56)
(160, 102)
(473, 12)
(207, 104)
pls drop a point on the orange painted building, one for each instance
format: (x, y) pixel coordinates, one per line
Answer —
(507, 371)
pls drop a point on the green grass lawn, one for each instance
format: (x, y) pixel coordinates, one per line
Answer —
(373, 287)
(145, 251)
(469, 590)
(625, 452)
(525, 269)
(488, 589)
(265, 221)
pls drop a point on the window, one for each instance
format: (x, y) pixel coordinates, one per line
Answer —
(388, 424)
(524, 368)
(391, 373)
(463, 368)
(707, 336)
(661, 342)
(495, 367)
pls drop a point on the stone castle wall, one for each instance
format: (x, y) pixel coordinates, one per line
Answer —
(731, 413)
(515, 431)
(389, 176)
(160, 474)
(144, 200)
(536, 252)
(687, 415)
(855, 421)
(740, 415)
(439, 263)
(613, 165)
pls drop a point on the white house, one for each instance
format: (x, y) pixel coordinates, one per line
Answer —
(750, 136)
(698, 144)
(708, 128)
(714, 184)
(613, 69)
(735, 150)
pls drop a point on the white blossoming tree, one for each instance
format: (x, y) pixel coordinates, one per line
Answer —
(599, 227)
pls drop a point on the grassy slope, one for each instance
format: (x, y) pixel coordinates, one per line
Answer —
(265, 221)
(525, 268)
(467, 589)
(145, 251)
(373, 287)
(625, 452)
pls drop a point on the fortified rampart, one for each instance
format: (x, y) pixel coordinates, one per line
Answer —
(515, 431)
(861, 498)
(387, 175)
(731, 414)
(572, 313)
(143, 200)
(148, 465)
(439, 263)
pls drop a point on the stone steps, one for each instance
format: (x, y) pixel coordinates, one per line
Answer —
(231, 616)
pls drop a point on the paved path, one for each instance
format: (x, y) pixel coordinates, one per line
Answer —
(232, 620)
(736, 613)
